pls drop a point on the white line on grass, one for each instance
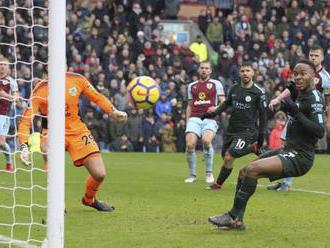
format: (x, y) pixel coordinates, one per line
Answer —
(18, 243)
(302, 190)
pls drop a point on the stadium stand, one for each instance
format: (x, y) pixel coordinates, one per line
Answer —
(111, 42)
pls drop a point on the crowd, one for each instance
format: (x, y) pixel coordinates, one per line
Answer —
(111, 42)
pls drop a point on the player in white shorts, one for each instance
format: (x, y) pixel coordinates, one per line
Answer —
(202, 94)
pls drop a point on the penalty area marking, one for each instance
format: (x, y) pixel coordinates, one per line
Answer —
(18, 243)
(303, 190)
(299, 190)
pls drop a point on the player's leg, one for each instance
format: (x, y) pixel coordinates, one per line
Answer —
(208, 154)
(193, 131)
(84, 151)
(95, 166)
(227, 165)
(267, 167)
(191, 140)
(209, 129)
(4, 147)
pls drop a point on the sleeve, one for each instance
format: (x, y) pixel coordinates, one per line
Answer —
(262, 108)
(227, 103)
(24, 126)
(315, 124)
(13, 85)
(93, 95)
(326, 85)
(189, 92)
(25, 123)
(220, 90)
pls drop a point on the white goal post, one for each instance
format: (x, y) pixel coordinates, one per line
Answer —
(56, 123)
(33, 37)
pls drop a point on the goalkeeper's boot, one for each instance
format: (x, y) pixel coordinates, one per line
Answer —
(226, 222)
(215, 186)
(9, 167)
(98, 205)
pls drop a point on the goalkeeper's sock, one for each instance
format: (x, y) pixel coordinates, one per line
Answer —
(92, 186)
(7, 154)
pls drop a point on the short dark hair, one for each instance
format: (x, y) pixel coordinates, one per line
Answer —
(316, 47)
(205, 61)
(307, 62)
(246, 64)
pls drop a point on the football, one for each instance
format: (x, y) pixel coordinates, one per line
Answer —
(143, 92)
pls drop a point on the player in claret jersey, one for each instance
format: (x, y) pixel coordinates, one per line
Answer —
(247, 123)
(79, 142)
(8, 94)
(202, 94)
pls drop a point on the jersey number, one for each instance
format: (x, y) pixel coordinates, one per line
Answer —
(289, 155)
(88, 139)
(240, 144)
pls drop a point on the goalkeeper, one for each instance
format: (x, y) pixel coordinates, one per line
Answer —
(79, 142)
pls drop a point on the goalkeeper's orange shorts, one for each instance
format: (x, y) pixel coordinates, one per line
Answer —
(81, 147)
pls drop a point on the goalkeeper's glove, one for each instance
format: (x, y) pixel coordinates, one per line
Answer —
(25, 154)
(119, 116)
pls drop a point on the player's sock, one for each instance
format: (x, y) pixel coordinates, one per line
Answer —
(7, 151)
(191, 159)
(208, 156)
(248, 187)
(92, 186)
(46, 165)
(224, 174)
(239, 184)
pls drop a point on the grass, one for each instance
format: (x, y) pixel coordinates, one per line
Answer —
(154, 208)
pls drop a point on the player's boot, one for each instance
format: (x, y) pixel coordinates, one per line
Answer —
(209, 178)
(214, 186)
(9, 167)
(98, 205)
(275, 186)
(226, 222)
(284, 188)
(191, 179)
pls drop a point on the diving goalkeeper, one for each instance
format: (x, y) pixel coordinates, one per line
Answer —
(79, 141)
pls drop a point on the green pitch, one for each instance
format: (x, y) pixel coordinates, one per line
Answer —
(154, 208)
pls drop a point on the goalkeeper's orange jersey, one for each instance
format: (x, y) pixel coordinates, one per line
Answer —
(76, 85)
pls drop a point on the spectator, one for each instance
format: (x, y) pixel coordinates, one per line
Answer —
(171, 9)
(163, 105)
(135, 129)
(215, 33)
(122, 144)
(199, 48)
(243, 27)
(150, 133)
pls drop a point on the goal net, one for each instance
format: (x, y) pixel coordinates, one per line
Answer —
(26, 209)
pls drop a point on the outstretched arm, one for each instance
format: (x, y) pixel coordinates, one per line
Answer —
(103, 102)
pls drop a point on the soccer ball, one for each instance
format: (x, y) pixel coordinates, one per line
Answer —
(143, 92)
